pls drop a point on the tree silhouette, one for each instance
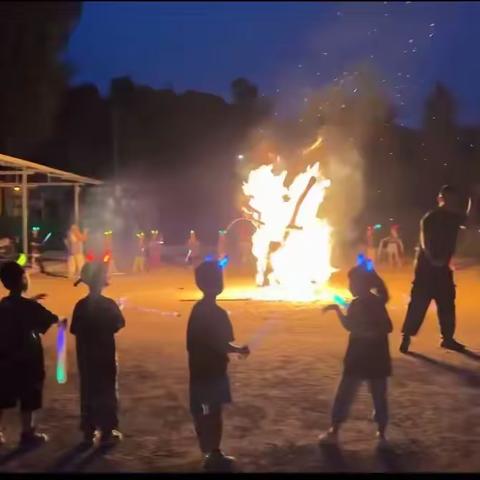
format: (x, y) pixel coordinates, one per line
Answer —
(32, 75)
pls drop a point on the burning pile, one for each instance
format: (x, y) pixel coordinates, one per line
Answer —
(291, 244)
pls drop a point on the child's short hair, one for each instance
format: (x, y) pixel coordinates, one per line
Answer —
(93, 273)
(209, 276)
(359, 275)
(11, 275)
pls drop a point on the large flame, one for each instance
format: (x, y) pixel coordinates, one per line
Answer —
(291, 244)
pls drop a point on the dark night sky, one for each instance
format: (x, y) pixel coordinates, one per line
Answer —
(287, 48)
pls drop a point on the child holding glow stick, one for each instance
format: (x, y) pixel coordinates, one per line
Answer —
(368, 356)
(22, 369)
(209, 341)
(95, 321)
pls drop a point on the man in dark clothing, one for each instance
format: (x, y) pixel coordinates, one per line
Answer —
(22, 366)
(95, 321)
(433, 275)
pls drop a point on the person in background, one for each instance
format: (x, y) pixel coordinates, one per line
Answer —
(393, 246)
(222, 244)
(154, 250)
(75, 241)
(193, 246)
(370, 243)
(139, 260)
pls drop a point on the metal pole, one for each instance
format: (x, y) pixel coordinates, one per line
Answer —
(25, 213)
(76, 190)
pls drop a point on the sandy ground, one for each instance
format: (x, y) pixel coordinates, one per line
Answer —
(282, 393)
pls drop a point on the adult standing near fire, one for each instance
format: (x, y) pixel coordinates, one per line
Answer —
(433, 275)
(75, 241)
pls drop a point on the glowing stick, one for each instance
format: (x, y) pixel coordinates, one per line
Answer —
(62, 353)
(187, 258)
(49, 234)
(340, 300)
(223, 262)
(22, 260)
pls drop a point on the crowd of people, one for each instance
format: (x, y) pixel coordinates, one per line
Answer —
(210, 339)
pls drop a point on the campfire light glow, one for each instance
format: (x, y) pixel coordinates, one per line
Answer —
(291, 244)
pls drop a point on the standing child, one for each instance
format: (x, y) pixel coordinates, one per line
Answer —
(22, 366)
(95, 321)
(368, 356)
(209, 341)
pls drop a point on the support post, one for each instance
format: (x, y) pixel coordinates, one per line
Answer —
(76, 190)
(25, 213)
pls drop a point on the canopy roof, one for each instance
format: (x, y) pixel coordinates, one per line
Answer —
(40, 175)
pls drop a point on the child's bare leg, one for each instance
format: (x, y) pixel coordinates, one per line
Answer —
(378, 390)
(27, 421)
(216, 429)
(200, 428)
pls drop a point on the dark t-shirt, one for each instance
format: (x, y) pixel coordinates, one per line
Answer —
(95, 321)
(208, 333)
(440, 231)
(21, 352)
(369, 324)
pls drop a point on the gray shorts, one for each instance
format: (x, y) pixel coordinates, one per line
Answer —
(207, 395)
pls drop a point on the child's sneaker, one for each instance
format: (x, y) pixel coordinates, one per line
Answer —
(110, 438)
(382, 442)
(216, 460)
(328, 438)
(32, 439)
(451, 344)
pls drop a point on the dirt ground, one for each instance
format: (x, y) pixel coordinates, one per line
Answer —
(282, 393)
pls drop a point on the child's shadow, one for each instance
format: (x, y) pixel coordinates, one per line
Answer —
(13, 455)
(79, 458)
(334, 458)
(67, 458)
(390, 460)
(92, 456)
(471, 355)
(471, 378)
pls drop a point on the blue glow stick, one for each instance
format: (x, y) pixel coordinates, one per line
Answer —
(340, 300)
(61, 354)
(223, 262)
(208, 258)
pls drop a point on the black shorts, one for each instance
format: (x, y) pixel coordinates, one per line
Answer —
(209, 395)
(29, 396)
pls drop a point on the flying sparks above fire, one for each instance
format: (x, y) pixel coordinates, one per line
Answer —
(292, 246)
